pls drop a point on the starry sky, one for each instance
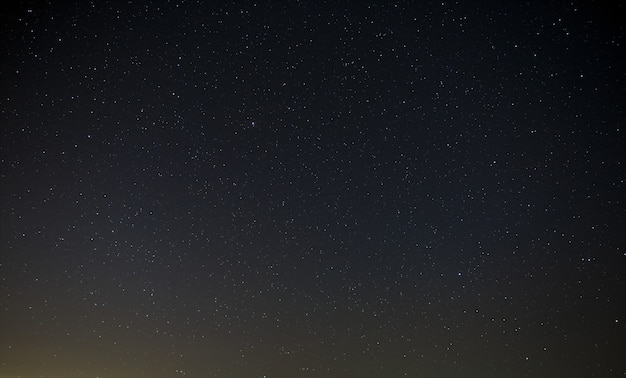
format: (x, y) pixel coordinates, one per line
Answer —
(312, 188)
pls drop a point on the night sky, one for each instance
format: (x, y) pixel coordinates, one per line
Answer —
(315, 189)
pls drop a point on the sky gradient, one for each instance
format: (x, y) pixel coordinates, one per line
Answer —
(311, 188)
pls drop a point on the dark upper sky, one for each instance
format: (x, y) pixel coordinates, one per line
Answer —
(323, 189)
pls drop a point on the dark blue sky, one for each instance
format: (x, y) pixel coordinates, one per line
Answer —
(349, 189)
